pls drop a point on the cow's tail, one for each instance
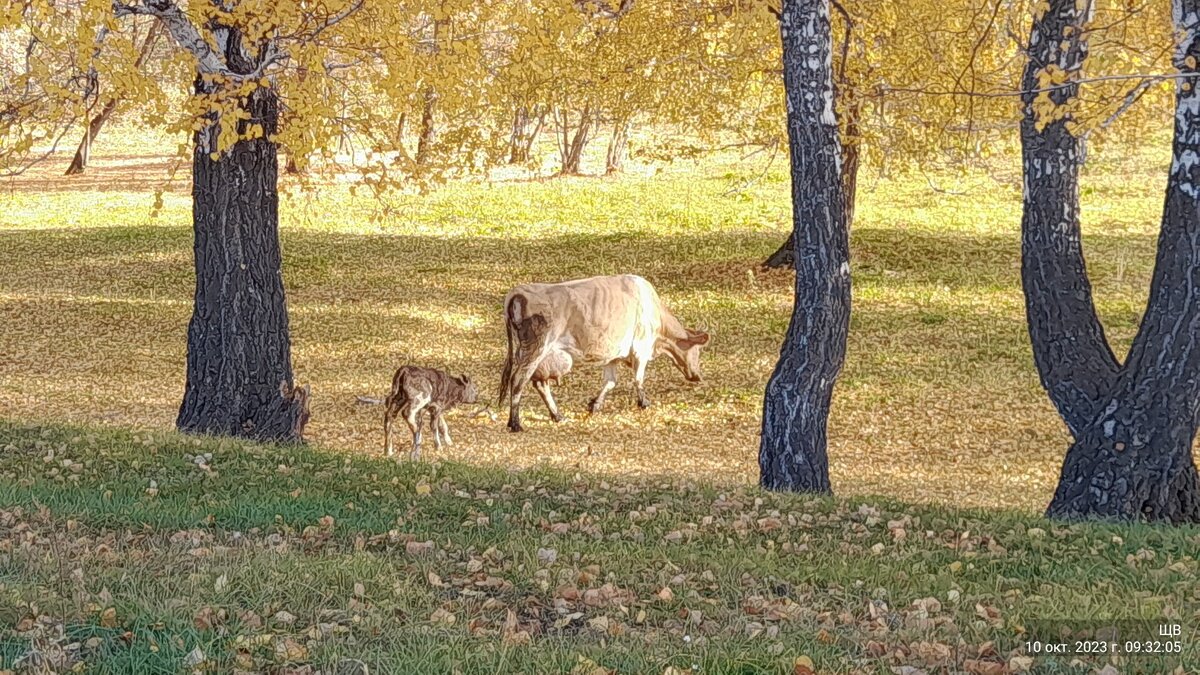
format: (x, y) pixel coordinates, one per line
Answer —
(513, 310)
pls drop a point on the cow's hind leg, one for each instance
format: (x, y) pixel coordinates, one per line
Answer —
(610, 381)
(533, 347)
(639, 382)
(543, 389)
(521, 376)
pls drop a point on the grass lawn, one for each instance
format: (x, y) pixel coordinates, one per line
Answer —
(939, 401)
(631, 541)
(150, 552)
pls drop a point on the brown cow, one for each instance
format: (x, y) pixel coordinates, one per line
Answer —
(600, 320)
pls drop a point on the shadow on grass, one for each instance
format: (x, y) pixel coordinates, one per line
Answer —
(703, 261)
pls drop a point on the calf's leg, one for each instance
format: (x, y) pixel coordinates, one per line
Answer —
(610, 381)
(413, 417)
(444, 429)
(389, 416)
(543, 389)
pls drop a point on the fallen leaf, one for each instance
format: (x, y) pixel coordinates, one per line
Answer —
(194, 658)
(1020, 664)
(443, 616)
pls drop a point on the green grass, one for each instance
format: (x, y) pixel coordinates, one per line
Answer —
(939, 401)
(119, 544)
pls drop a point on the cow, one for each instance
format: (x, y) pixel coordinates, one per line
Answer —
(601, 321)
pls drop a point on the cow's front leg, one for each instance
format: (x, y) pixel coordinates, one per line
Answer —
(543, 389)
(639, 382)
(610, 381)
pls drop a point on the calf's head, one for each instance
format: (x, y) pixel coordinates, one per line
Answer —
(470, 393)
(685, 353)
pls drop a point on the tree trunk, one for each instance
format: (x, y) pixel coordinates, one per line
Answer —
(1133, 424)
(83, 153)
(401, 152)
(1070, 349)
(614, 161)
(792, 454)
(783, 256)
(239, 369)
(518, 153)
(571, 146)
(527, 124)
(80, 162)
(292, 167)
(428, 133)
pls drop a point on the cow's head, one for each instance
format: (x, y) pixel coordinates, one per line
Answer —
(470, 393)
(685, 353)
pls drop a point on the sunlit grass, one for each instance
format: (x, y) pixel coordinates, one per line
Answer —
(939, 401)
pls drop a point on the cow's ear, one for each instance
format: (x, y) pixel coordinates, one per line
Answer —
(464, 380)
(697, 337)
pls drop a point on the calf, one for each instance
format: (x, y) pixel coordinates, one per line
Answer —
(416, 389)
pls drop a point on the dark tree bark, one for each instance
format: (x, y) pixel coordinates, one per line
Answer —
(239, 369)
(784, 256)
(851, 110)
(1072, 354)
(83, 153)
(571, 145)
(792, 454)
(1133, 424)
(614, 161)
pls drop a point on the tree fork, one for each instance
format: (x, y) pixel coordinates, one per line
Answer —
(1134, 424)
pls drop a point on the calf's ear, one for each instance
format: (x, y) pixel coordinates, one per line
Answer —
(697, 337)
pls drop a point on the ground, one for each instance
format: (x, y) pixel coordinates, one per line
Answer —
(939, 401)
(149, 552)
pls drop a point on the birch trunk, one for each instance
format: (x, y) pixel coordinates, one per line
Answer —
(792, 453)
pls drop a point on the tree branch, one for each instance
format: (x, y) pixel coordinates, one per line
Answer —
(182, 31)
(601, 8)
